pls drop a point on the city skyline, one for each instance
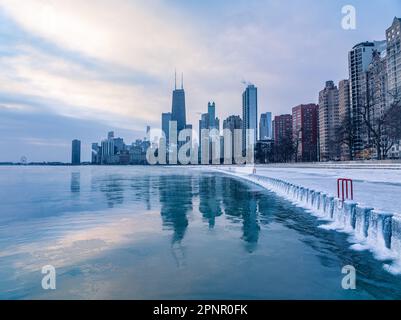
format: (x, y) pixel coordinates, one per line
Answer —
(55, 88)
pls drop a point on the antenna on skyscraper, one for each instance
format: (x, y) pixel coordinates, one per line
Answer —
(175, 79)
(182, 80)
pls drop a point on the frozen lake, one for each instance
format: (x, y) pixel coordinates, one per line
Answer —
(169, 233)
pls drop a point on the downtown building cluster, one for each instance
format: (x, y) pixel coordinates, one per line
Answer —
(210, 127)
(358, 119)
(113, 151)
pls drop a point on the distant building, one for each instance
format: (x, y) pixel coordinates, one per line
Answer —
(359, 59)
(166, 118)
(137, 152)
(111, 149)
(108, 151)
(249, 114)
(96, 153)
(208, 121)
(344, 110)
(213, 121)
(203, 123)
(273, 130)
(393, 43)
(377, 101)
(265, 126)
(393, 58)
(232, 123)
(329, 122)
(178, 112)
(282, 128)
(305, 134)
(76, 152)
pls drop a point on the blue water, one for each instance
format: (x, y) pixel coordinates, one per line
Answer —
(168, 233)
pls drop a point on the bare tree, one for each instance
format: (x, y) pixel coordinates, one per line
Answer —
(345, 135)
(384, 127)
(284, 149)
(297, 141)
(379, 110)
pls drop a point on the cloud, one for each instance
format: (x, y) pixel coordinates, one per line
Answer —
(113, 61)
(42, 135)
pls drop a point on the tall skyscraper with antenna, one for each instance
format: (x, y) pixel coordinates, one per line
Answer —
(178, 112)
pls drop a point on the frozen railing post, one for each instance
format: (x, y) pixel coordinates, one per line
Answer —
(349, 186)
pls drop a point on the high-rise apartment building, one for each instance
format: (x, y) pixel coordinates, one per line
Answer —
(329, 122)
(282, 128)
(76, 152)
(304, 131)
(249, 114)
(265, 126)
(393, 42)
(208, 121)
(344, 111)
(393, 58)
(96, 153)
(232, 123)
(359, 59)
(166, 118)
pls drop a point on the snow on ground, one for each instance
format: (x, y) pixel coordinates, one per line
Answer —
(374, 187)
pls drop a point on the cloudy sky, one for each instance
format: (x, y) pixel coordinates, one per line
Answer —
(77, 69)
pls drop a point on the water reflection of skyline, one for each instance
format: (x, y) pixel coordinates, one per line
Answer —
(218, 196)
(75, 185)
(180, 194)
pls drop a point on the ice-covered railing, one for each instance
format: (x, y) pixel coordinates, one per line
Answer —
(375, 229)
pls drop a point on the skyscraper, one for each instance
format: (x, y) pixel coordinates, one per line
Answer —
(359, 59)
(166, 118)
(344, 110)
(208, 121)
(213, 122)
(393, 41)
(232, 123)
(304, 129)
(265, 126)
(178, 112)
(76, 152)
(96, 156)
(111, 148)
(203, 123)
(377, 101)
(393, 38)
(249, 114)
(328, 122)
(282, 128)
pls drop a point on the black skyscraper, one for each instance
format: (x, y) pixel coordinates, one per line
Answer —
(178, 112)
(76, 152)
